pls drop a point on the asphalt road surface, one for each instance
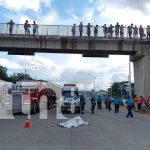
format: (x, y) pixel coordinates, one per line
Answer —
(107, 131)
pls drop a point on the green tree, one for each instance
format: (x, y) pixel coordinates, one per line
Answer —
(120, 89)
(3, 73)
(19, 76)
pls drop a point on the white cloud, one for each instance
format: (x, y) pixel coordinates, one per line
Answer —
(24, 4)
(9, 64)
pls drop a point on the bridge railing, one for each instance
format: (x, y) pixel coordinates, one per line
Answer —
(55, 30)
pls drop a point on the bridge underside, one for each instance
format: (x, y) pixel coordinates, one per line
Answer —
(96, 47)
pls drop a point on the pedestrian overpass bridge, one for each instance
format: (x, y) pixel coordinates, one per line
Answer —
(59, 39)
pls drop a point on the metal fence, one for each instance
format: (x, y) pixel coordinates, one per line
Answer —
(56, 30)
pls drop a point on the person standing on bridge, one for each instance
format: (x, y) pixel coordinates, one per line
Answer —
(130, 28)
(117, 29)
(135, 32)
(11, 25)
(35, 28)
(80, 29)
(26, 27)
(82, 103)
(96, 30)
(93, 103)
(110, 30)
(130, 104)
(88, 31)
(141, 31)
(148, 32)
(105, 30)
(121, 31)
(73, 30)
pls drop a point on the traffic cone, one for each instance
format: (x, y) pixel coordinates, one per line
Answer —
(27, 124)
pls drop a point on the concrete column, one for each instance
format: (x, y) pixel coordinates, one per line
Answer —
(142, 76)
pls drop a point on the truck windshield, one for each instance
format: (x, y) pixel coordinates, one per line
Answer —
(69, 94)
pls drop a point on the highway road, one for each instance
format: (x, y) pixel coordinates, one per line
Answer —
(107, 131)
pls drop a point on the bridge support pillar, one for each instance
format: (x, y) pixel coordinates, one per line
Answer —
(142, 76)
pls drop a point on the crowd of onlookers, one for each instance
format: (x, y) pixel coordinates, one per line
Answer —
(118, 30)
(141, 103)
(134, 103)
(108, 31)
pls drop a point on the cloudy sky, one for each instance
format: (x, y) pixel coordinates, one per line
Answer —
(66, 67)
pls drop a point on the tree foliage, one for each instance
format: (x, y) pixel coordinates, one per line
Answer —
(19, 76)
(3, 73)
(120, 89)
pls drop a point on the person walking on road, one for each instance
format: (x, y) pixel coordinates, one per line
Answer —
(82, 103)
(99, 102)
(109, 103)
(93, 103)
(117, 102)
(129, 103)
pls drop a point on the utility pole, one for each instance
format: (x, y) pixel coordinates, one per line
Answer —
(130, 92)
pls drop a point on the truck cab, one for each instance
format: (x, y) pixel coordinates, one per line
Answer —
(70, 98)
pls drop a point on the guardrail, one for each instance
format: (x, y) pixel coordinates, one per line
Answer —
(56, 30)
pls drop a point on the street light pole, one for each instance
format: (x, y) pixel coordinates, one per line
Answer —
(95, 81)
(130, 93)
(26, 76)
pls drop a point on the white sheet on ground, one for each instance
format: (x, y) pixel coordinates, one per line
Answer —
(74, 122)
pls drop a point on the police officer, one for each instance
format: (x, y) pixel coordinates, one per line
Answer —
(129, 103)
(99, 102)
(117, 102)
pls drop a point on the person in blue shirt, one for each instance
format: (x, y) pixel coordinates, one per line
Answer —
(129, 103)
(109, 103)
(117, 102)
(99, 102)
